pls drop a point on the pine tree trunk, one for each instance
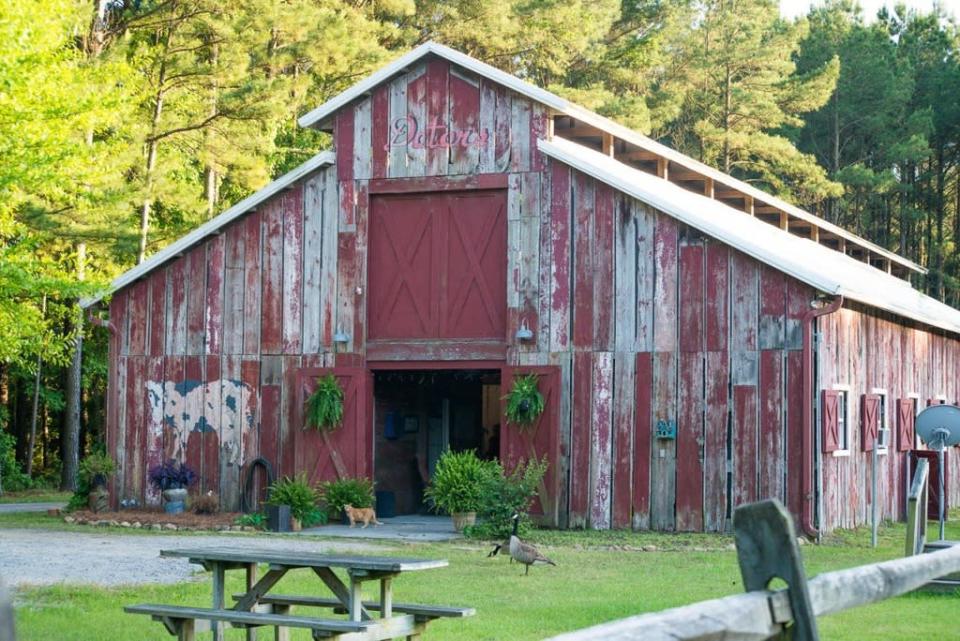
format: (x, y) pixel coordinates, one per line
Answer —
(152, 151)
(32, 442)
(70, 456)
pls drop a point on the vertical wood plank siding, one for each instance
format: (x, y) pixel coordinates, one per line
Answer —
(677, 359)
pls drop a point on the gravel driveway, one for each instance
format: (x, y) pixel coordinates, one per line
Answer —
(44, 557)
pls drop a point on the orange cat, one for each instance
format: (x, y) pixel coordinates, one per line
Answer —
(365, 514)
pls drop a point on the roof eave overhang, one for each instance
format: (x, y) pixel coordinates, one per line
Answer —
(812, 278)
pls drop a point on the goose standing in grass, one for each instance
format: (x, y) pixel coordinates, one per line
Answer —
(520, 551)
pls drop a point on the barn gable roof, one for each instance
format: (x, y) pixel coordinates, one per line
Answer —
(213, 226)
(321, 117)
(827, 270)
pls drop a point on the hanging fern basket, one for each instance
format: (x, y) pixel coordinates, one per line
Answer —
(525, 403)
(324, 410)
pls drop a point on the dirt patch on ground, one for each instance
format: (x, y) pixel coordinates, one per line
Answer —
(151, 518)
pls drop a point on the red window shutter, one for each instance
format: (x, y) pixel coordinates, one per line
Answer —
(905, 424)
(830, 417)
(869, 421)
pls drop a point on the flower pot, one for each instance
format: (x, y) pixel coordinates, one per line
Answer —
(463, 519)
(175, 495)
(173, 507)
(295, 525)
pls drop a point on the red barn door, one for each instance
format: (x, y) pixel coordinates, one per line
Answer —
(437, 266)
(538, 440)
(346, 451)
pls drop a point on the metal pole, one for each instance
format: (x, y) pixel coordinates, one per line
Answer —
(873, 495)
(940, 465)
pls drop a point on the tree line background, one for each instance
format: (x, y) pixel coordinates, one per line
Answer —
(126, 123)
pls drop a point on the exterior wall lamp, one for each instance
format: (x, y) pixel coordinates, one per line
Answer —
(524, 334)
(341, 337)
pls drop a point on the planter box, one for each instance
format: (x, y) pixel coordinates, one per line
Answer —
(278, 518)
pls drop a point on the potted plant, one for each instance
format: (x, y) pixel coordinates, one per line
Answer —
(324, 410)
(357, 492)
(92, 478)
(525, 403)
(458, 484)
(300, 498)
(172, 479)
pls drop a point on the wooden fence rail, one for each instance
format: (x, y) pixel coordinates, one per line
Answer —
(764, 614)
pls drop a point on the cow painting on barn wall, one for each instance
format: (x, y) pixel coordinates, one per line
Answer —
(221, 410)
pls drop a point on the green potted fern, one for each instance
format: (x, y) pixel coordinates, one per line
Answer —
(525, 403)
(458, 485)
(324, 409)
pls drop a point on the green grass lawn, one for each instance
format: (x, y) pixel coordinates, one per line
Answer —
(35, 496)
(600, 577)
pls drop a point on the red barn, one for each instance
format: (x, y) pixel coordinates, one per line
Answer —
(699, 342)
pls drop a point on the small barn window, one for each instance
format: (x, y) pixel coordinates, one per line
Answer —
(874, 430)
(906, 413)
(883, 422)
(835, 416)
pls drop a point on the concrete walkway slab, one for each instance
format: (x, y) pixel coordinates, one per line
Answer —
(411, 527)
(8, 508)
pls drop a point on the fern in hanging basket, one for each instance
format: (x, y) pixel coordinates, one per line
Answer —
(324, 409)
(525, 403)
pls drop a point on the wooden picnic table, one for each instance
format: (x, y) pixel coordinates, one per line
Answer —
(257, 607)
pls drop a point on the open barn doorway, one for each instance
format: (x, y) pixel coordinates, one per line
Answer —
(419, 414)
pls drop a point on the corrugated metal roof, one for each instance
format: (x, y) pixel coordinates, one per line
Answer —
(560, 105)
(212, 226)
(827, 270)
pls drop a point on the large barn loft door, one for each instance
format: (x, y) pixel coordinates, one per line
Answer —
(346, 451)
(522, 443)
(437, 266)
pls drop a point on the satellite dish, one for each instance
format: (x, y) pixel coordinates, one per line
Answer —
(939, 425)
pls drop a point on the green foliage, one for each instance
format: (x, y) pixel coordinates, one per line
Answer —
(506, 494)
(299, 495)
(525, 403)
(324, 409)
(357, 492)
(459, 482)
(12, 478)
(96, 464)
(254, 519)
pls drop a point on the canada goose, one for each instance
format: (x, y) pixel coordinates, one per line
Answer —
(524, 552)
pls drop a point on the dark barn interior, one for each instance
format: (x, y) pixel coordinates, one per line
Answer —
(420, 413)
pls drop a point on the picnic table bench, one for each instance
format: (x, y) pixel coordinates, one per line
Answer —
(257, 608)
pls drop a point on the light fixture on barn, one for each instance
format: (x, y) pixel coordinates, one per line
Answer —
(341, 337)
(524, 334)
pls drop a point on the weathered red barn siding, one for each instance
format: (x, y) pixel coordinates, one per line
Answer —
(869, 350)
(694, 335)
(639, 323)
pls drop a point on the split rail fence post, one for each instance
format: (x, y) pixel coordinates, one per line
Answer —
(6, 616)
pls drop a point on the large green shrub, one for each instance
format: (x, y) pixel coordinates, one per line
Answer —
(459, 482)
(300, 496)
(506, 494)
(12, 478)
(356, 492)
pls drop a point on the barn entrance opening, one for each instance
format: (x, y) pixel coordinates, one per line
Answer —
(420, 413)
